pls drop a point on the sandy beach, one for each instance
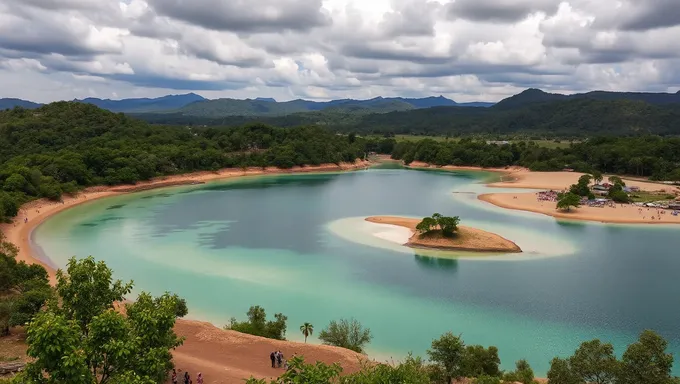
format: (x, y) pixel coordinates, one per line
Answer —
(467, 238)
(522, 178)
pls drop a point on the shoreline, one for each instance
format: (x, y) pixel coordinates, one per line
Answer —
(520, 178)
(467, 239)
(37, 211)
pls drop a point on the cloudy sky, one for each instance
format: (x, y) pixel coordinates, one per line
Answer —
(468, 50)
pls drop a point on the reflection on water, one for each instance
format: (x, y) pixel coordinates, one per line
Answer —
(438, 263)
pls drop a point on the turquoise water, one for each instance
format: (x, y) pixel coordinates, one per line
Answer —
(297, 245)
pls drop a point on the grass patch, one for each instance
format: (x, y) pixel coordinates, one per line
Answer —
(648, 197)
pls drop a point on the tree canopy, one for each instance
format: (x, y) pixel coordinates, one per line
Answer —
(447, 225)
(81, 338)
(258, 325)
(346, 333)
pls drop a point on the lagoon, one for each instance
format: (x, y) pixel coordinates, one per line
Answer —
(297, 244)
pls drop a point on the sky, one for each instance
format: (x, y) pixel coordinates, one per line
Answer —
(467, 50)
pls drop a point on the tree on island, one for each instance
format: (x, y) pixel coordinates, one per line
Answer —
(567, 200)
(447, 225)
(258, 325)
(581, 188)
(307, 329)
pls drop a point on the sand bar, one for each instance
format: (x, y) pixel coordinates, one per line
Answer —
(467, 239)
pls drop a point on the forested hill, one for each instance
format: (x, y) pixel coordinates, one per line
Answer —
(573, 117)
(64, 146)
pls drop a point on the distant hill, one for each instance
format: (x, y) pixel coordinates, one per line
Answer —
(9, 103)
(164, 103)
(262, 108)
(569, 117)
(538, 96)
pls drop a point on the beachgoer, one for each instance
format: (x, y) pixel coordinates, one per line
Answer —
(272, 357)
(174, 376)
(279, 358)
(199, 378)
(187, 378)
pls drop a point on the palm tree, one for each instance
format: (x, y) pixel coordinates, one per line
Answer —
(307, 329)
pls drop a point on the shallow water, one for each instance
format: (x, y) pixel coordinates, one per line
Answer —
(297, 245)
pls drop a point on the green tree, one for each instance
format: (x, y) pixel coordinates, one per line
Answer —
(522, 373)
(258, 325)
(561, 373)
(479, 361)
(646, 361)
(594, 362)
(300, 372)
(485, 379)
(426, 225)
(307, 329)
(597, 177)
(449, 353)
(412, 370)
(615, 180)
(567, 200)
(87, 289)
(448, 225)
(108, 347)
(346, 333)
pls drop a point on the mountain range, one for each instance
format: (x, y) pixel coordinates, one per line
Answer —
(192, 104)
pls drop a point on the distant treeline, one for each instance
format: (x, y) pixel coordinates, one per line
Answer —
(571, 117)
(650, 156)
(62, 147)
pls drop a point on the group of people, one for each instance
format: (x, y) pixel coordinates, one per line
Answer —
(277, 360)
(187, 378)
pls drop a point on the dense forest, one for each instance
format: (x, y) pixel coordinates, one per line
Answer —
(62, 147)
(580, 117)
(649, 156)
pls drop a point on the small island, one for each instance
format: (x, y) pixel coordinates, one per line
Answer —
(443, 233)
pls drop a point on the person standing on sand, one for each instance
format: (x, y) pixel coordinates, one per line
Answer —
(173, 378)
(187, 378)
(279, 358)
(272, 357)
(199, 378)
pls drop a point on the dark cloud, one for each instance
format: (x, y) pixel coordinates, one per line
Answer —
(651, 14)
(506, 11)
(386, 52)
(157, 81)
(245, 15)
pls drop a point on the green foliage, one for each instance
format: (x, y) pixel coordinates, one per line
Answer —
(346, 333)
(597, 177)
(522, 373)
(84, 340)
(87, 289)
(447, 225)
(615, 180)
(487, 380)
(258, 325)
(594, 362)
(426, 225)
(412, 370)
(567, 200)
(24, 288)
(449, 353)
(307, 329)
(300, 372)
(618, 195)
(561, 372)
(646, 361)
(62, 147)
(479, 361)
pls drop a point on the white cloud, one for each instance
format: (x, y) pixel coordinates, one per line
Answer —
(464, 49)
